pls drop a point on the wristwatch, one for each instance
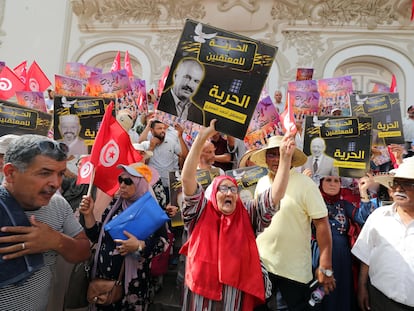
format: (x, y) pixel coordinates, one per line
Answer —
(327, 272)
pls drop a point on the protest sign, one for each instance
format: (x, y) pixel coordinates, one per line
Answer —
(89, 111)
(34, 100)
(67, 86)
(346, 140)
(19, 120)
(264, 123)
(384, 108)
(303, 74)
(110, 84)
(334, 93)
(216, 74)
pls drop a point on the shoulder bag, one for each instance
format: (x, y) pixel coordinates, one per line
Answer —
(106, 292)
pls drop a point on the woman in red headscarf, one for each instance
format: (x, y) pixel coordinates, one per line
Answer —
(223, 269)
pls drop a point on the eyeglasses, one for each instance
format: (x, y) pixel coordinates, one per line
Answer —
(50, 145)
(127, 181)
(225, 189)
(405, 185)
(332, 179)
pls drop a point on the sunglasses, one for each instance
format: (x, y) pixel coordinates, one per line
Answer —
(127, 181)
(332, 179)
(50, 145)
(225, 189)
(403, 184)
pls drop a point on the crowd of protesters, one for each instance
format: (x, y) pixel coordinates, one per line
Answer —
(262, 254)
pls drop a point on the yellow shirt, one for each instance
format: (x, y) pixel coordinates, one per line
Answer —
(284, 246)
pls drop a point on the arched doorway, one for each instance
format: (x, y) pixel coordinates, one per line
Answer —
(370, 64)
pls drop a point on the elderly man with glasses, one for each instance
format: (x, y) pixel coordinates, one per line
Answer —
(385, 246)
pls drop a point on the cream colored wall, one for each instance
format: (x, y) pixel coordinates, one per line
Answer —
(368, 41)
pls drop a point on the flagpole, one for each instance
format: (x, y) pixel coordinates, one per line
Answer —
(91, 183)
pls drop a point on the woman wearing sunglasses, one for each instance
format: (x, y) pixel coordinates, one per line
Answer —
(134, 254)
(340, 214)
(223, 269)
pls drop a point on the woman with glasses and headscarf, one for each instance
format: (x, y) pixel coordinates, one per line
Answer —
(340, 215)
(223, 269)
(134, 181)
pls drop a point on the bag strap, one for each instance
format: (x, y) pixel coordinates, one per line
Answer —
(101, 233)
(121, 273)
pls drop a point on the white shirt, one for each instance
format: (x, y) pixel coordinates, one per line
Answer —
(408, 126)
(386, 245)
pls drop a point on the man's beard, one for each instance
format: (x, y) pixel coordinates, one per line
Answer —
(161, 138)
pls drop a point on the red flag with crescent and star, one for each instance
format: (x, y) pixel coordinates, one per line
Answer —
(116, 65)
(287, 118)
(85, 171)
(36, 80)
(393, 86)
(112, 147)
(21, 71)
(128, 65)
(9, 83)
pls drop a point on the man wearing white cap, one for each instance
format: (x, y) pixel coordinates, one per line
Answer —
(69, 127)
(385, 247)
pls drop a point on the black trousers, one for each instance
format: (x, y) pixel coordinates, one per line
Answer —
(379, 302)
(295, 294)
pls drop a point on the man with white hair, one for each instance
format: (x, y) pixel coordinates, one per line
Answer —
(69, 127)
(385, 246)
(319, 164)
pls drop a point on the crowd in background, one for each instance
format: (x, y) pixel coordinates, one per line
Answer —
(296, 228)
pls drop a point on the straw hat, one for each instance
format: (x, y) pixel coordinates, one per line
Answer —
(259, 157)
(245, 157)
(405, 170)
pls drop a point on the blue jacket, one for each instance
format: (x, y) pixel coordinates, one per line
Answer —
(17, 270)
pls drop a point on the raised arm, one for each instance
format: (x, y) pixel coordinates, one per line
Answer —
(188, 174)
(280, 181)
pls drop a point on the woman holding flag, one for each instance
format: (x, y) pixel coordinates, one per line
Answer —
(133, 256)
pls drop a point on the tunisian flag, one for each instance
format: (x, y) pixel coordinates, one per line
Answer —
(85, 171)
(161, 82)
(9, 83)
(36, 79)
(127, 65)
(287, 119)
(112, 147)
(116, 65)
(393, 86)
(20, 71)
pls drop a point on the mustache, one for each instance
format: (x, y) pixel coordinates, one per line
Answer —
(65, 133)
(50, 190)
(401, 194)
(187, 88)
